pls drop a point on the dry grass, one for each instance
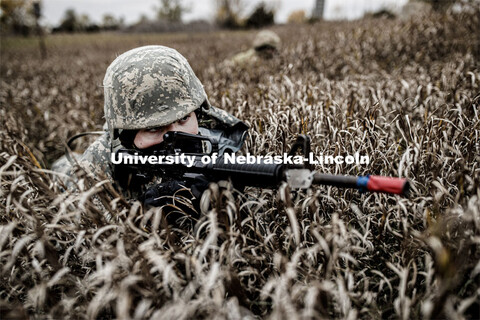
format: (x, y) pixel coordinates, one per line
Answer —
(404, 92)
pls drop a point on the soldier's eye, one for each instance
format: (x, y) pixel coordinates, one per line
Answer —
(184, 119)
(156, 129)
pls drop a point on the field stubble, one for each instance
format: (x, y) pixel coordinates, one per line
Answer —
(404, 92)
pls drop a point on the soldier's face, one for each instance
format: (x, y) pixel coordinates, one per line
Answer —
(267, 53)
(146, 138)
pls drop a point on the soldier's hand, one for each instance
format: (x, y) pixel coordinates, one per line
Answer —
(199, 186)
(161, 194)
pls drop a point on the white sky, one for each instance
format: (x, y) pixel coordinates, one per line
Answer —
(131, 10)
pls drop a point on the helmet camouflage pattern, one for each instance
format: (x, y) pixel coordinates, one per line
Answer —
(266, 38)
(149, 87)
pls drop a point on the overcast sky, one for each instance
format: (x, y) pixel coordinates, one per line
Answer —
(131, 10)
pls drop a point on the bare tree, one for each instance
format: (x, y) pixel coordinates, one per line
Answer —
(17, 15)
(70, 21)
(229, 12)
(171, 10)
(297, 16)
(109, 22)
(83, 21)
(37, 13)
(261, 16)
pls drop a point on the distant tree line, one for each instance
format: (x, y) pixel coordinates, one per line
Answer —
(230, 14)
(72, 22)
(19, 17)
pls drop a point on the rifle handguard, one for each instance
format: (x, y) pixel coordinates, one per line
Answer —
(256, 174)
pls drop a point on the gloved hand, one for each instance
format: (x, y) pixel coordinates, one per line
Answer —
(176, 199)
(200, 184)
(161, 194)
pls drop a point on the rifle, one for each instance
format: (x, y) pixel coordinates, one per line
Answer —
(198, 148)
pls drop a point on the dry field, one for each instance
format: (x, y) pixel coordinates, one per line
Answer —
(404, 92)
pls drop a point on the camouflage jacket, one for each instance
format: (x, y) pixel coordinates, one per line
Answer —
(245, 59)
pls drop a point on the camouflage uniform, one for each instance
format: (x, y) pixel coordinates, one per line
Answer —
(264, 40)
(145, 88)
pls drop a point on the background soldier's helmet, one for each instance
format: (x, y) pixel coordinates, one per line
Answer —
(149, 87)
(266, 38)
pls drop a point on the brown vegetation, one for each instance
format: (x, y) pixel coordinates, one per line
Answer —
(404, 92)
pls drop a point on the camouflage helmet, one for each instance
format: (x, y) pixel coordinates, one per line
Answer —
(149, 87)
(266, 38)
